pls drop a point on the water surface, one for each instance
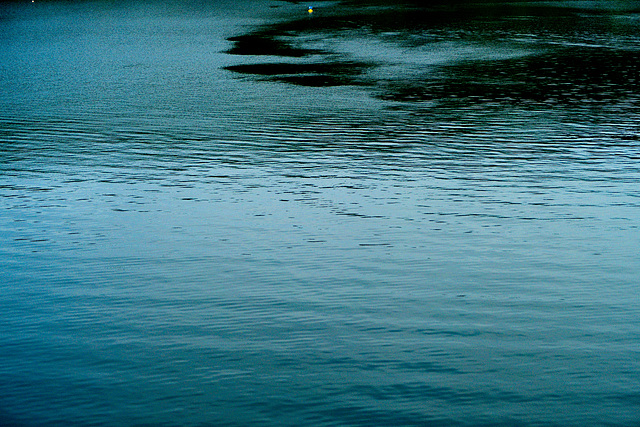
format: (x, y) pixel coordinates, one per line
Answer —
(384, 215)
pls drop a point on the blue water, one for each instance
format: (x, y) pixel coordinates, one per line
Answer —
(448, 236)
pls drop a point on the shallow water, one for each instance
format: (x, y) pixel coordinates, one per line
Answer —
(438, 228)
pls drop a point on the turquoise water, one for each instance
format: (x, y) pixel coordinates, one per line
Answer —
(440, 227)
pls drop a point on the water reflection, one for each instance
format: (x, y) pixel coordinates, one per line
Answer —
(454, 52)
(565, 75)
(307, 74)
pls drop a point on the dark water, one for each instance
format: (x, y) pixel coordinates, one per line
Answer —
(242, 213)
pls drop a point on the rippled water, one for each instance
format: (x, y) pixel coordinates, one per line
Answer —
(241, 213)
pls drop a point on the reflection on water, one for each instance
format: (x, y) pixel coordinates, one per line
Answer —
(497, 52)
(237, 213)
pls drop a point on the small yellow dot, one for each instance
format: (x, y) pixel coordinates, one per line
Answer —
(310, 10)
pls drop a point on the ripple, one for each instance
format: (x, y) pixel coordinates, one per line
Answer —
(385, 217)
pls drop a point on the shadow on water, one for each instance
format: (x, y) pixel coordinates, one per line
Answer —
(313, 74)
(415, 51)
(565, 76)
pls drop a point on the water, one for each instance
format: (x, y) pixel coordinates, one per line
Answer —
(439, 227)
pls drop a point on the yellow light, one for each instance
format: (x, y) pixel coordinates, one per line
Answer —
(310, 10)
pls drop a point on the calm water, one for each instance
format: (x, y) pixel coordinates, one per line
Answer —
(241, 213)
